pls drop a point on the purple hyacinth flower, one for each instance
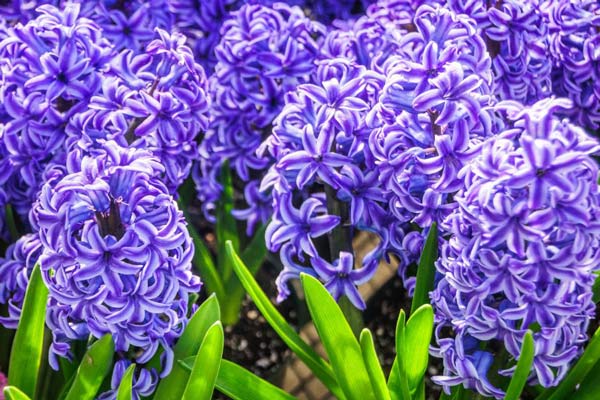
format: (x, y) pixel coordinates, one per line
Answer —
(116, 254)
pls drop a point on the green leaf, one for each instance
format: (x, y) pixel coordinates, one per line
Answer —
(125, 390)
(415, 352)
(578, 372)
(253, 257)
(173, 385)
(590, 387)
(226, 226)
(206, 367)
(426, 270)
(398, 381)
(373, 367)
(203, 261)
(26, 354)
(95, 366)
(316, 364)
(596, 289)
(519, 378)
(241, 384)
(340, 343)
(13, 393)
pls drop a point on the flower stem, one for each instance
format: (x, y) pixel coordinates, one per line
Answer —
(340, 239)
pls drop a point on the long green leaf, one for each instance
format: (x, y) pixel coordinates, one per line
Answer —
(398, 381)
(203, 261)
(578, 372)
(373, 366)
(253, 257)
(26, 354)
(590, 387)
(125, 390)
(204, 373)
(426, 270)
(340, 343)
(13, 393)
(240, 384)
(173, 385)
(519, 378)
(317, 365)
(419, 329)
(596, 289)
(95, 366)
(226, 226)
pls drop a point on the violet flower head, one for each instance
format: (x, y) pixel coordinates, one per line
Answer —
(523, 251)
(15, 269)
(264, 52)
(117, 254)
(432, 114)
(51, 67)
(322, 182)
(574, 42)
(155, 101)
(516, 36)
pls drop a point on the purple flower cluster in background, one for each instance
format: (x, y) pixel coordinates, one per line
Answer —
(523, 248)
(264, 52)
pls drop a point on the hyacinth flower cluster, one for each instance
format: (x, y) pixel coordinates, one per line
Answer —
(517, 38)
(522, 252)
(574, 35)
(116, 255)
(430, 117)
(155, 101)
(264, 53)
(50, 68)
(323, 183)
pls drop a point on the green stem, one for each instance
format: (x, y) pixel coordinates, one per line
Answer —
(340, 239)
(12, 225)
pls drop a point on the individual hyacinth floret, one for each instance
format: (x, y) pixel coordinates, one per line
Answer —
(522, 254)
(117, 255)
(264, 53)
(15, 269)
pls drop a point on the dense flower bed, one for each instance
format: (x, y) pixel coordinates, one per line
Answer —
(477, 119)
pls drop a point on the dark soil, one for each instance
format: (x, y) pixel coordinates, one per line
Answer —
(252, 343)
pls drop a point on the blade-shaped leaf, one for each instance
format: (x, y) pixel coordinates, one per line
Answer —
(173, 385)
(26, 354)
(596, 289)
(95, 366)
(519, 378)
(578, 372)
(373, 366)
(226, 226)
(418, 331)
(125, 390)
(590, 387)
(340, 343)
(241, 384)
(426, 270)
(316, 364)
(253, 257)
(13, 393)
(398, 381)
(204, 373)
(202, 260)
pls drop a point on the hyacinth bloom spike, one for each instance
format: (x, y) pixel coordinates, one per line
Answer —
(116, 255)
(514, 259)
